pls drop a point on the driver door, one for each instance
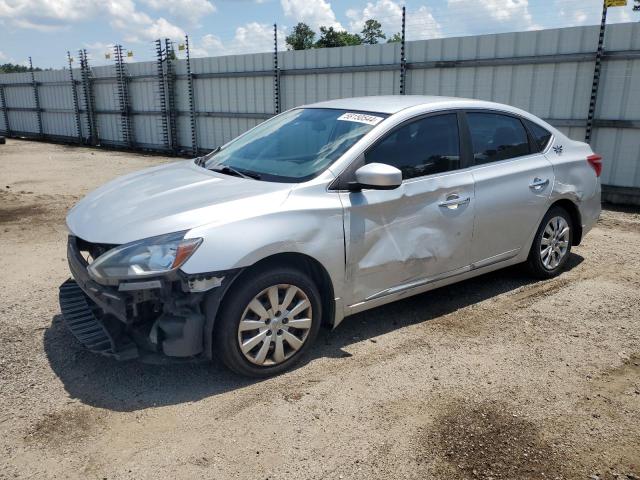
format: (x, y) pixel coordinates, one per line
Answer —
(419, 232)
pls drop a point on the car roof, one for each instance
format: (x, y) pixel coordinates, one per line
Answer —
(394, 103)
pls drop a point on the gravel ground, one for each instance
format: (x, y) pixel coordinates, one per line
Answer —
(497, 377)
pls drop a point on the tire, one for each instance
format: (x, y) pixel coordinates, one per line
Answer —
(543, 266)
(276, 327)
(2, 141)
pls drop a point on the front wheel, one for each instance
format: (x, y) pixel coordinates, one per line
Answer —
(267, 322)
(552, 244)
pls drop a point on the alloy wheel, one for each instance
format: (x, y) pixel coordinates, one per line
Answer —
(275, 325)
(554, 243)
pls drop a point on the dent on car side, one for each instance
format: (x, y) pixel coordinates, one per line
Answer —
(573, 180)
(375, 246)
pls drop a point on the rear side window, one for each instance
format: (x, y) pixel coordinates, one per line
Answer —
(541, 135)
(496, 137)
(424, 147)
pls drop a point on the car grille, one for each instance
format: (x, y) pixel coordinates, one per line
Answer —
(93, 333)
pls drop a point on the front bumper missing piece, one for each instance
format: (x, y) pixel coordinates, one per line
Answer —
(114, 322)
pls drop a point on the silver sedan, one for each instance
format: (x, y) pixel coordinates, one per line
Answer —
(318, 213)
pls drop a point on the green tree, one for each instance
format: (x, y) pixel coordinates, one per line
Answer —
(301, 37)
(350, 38)
(15, 68)
(330, 37)
(372, 31)
(396, 37)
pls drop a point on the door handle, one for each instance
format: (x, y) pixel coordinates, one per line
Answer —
(453, 201)
(538, 183)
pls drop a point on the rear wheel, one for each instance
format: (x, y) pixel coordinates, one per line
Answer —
(552, 244)
(267, 322)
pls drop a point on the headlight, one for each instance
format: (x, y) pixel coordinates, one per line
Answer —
(144, 258)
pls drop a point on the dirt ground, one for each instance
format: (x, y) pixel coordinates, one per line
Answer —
(494, 378)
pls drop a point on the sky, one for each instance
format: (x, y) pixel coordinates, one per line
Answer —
(46, 29)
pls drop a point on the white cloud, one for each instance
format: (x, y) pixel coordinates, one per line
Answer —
(473, 15)
(209, 45)
(389, 14)
(429, 27)
(588, 12)
(100, 47)
(96, 52)
(191, 10)
(255, 36)
(2, 56)
(621, 15)
(41, 27)
(252, 37)
(57, 10)
(315, 13)
(123, 15)
(162, 28)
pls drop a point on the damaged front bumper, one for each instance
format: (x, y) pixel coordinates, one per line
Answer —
(159, 315)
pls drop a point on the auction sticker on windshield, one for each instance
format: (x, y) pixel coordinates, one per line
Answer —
(360, 118)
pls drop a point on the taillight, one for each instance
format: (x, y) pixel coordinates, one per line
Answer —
(595, 161)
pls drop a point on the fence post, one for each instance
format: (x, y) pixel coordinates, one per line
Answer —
(87, 93)
(162, 95)
(5, 111)
(171, 104)
(276, 71)
(596, 75)
(192, 108)
(403, 59)
(74, 96)
(36, 98)
(123, 94)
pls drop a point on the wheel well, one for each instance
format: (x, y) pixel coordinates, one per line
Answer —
(311, 267)
(576, 218)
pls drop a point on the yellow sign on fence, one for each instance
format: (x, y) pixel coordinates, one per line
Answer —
(615, 3)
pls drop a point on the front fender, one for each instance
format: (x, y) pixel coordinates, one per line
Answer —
(311, 225)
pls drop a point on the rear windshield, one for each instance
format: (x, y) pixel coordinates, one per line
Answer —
(297, 145)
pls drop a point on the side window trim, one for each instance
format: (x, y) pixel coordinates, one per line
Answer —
(341, 183)
(533, 149)
(533, 145)
(466, 144)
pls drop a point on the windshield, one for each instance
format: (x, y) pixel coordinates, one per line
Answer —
(295, 146)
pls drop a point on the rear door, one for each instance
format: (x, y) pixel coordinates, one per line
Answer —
(422, 229)
(513, 183)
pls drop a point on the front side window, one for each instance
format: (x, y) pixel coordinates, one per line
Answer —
(496, 137)
(424, 147)
(295, 146)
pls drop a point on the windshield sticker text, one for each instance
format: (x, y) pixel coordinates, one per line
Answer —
(360, 118)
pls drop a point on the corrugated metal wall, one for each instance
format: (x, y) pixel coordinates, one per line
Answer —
(299, 85)
(548, 73)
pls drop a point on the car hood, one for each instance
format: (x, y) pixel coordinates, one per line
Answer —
(169, 198)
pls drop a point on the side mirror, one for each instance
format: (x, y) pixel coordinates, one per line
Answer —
(377, 176)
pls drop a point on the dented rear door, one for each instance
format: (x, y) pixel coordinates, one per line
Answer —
(418, 232)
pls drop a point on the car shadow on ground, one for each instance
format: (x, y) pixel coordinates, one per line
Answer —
(128, 386)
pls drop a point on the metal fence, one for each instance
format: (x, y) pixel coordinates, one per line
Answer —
(183, 106)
